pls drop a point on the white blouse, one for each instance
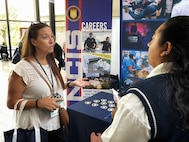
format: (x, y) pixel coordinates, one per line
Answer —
(37, 88)
(130, 123)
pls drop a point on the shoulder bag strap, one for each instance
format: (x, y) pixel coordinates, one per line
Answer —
(17, 117)
(33, 118)
(39, 73)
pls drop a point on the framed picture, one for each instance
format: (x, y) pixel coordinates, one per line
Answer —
(22, 31)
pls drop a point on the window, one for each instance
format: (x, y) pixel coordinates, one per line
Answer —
(23, 13)
(23, 10)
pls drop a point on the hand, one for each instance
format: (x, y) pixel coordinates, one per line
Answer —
(138, 10)
(113, 112)
(49, 103)
(95, 137)
(81, 82)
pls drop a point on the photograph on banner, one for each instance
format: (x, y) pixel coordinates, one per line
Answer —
(98, 41)
(96, 67)
(136, 34)
(97, 58)
(147, 9)
(134, 66)
(88, 34)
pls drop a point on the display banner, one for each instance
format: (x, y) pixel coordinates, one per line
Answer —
(88, 43)
(139, 20)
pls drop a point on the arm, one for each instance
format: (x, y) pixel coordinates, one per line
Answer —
(85, 44)
(109, 48)
(81, 82)
(16, 87)
(130, 120)
(102, 42)
(131, 69)
(95, 44)
(95, 137)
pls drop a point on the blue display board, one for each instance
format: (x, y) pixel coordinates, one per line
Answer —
(85, 56)
(139, 20)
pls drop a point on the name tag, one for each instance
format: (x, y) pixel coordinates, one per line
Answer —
(54, 113)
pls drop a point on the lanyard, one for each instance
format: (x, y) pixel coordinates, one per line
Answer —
(51, 81)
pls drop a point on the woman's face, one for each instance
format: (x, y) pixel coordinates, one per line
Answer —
(45, 41)
(154, 49)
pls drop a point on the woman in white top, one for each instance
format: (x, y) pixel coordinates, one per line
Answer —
(25, 81)
(150, 113)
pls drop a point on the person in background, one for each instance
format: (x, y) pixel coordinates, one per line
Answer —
(22, 40)
(90, 43)
(64, 50)
(129, 66)
(106, 45)
(165, 8)
(25, 81)
(141, 9)
(134, 38)
(3, 51)
(58, 55)
(17, 52)
(181, 8)
(156, 108)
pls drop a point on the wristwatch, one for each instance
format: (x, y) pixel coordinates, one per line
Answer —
(68, 85)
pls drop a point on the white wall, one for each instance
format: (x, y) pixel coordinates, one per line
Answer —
(115, 53)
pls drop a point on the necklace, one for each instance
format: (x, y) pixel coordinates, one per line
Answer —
(51, 81)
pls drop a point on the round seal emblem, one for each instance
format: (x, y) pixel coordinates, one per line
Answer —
(73, 13)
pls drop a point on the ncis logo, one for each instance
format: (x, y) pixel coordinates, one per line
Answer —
(73, 13)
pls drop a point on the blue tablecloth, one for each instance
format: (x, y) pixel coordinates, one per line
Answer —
(90, 115)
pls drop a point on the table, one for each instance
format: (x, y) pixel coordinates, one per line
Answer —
(89, 116)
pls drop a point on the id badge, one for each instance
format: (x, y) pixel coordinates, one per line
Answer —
(56, 112)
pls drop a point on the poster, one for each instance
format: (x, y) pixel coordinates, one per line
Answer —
(88, 43)
(139, 20)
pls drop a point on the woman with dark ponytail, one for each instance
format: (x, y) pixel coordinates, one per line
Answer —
(157, 109)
